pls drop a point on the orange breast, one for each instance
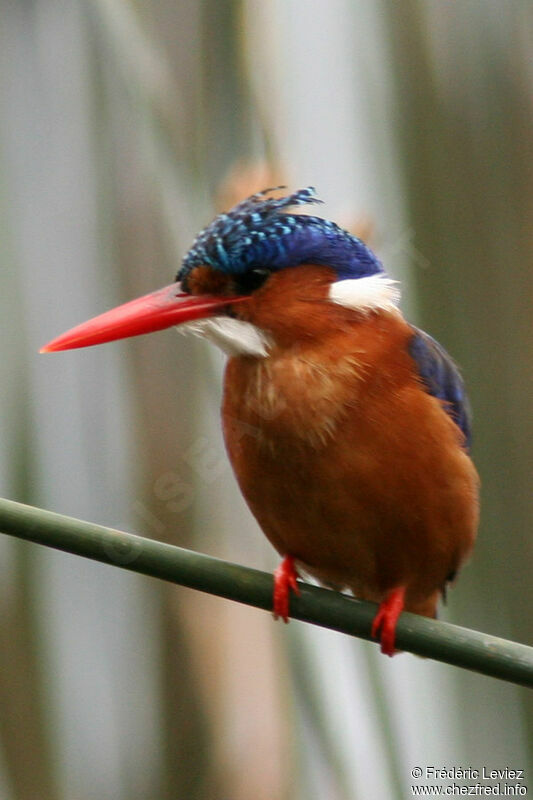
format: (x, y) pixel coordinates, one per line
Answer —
(349, 465)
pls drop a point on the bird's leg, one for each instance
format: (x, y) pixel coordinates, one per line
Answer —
(284, 580)
(384, 624)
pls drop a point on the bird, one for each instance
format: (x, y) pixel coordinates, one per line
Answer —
(347, 427)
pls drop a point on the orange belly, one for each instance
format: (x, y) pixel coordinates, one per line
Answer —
(350, 466)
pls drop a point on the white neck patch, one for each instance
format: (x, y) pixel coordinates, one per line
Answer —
(373, 293)
(234, 336)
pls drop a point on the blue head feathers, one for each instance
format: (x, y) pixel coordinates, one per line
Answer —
(254, 234)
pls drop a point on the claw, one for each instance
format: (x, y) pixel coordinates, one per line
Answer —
(384, 624)
(284, 581)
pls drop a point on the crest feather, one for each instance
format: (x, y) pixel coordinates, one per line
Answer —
(257, 233)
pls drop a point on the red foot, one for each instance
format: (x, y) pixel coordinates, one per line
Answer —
(284, 580)
(384, 623)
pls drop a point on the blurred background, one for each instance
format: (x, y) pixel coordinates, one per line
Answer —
(124, 127)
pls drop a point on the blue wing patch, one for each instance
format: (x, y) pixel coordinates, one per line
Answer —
(442, 379)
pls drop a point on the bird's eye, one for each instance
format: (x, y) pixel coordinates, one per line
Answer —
(249, 281)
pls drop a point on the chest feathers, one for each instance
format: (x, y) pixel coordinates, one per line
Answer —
(294, 397)
(301, 394)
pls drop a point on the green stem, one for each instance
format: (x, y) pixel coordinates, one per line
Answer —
(451, 644)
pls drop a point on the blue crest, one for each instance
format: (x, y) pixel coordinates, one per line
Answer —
(254, 234)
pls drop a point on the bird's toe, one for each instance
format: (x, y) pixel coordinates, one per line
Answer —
(285, 581)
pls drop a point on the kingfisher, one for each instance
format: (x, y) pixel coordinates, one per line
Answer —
(348, 428)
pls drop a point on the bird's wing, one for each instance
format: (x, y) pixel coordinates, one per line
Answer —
(442, 379)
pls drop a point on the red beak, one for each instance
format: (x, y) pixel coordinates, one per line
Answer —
(153, 312)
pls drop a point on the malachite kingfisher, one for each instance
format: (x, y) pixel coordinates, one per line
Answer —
(348, 428)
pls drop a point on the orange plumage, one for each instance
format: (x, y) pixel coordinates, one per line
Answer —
(346, 461)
